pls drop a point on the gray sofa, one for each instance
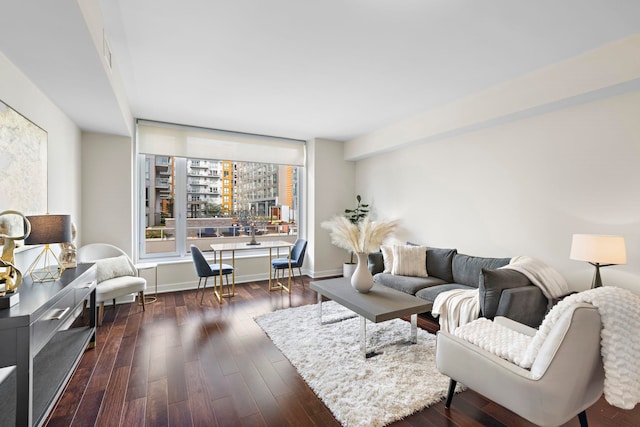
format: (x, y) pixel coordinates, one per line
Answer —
(503, 292)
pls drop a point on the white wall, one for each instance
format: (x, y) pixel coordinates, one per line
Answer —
(63, 143)
(330, 189)
(522, 188)
(107, 190)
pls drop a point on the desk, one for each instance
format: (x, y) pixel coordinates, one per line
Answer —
(243, 246)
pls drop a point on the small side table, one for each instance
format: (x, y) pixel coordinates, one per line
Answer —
(148, 266)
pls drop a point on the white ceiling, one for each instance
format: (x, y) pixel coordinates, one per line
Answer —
(332, 69)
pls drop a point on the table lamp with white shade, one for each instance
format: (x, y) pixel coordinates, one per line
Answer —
(599, 251)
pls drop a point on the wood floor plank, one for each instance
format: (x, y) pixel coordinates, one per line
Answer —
(225, 412)
(180, 414)
(157, 410)
(88, 409)
(199, 399)
(241, 396)
(138, 376)
(133, 414)
(292, 410)
(113, 401)
(181, 362)
(176, 380)
(125, 351)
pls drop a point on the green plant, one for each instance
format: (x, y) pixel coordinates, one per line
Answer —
(356, 215)
(153, 234)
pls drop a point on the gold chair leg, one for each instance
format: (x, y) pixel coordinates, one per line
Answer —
(84, 307)
(100, 313)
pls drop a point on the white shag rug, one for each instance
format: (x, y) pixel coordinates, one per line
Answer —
(359, 392)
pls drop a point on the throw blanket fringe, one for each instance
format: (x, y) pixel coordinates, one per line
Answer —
(456, 308)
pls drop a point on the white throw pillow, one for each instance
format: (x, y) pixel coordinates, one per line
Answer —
(387, 257)
(409, 261)
(108, 268)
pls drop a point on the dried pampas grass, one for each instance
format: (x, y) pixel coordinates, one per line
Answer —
(363, 237)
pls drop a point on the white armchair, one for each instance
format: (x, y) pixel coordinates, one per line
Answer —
(116, 274)
(566, 377)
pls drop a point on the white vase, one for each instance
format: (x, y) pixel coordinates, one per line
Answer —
(362, 280)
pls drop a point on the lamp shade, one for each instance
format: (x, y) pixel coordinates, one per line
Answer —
(598, 249)
(47, 229)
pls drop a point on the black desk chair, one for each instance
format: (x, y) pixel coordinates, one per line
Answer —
(297, 258)
(204, 270)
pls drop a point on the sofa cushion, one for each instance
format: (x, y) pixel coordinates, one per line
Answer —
(467, 269)
(387, 258)
(375, 262)
(431, 293)
(493, 282)
(409, 260)
(439, 263)
(118, 286)
(406, 284)
(108, 268)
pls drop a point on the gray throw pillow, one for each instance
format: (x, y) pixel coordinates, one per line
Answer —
(439, 262)
(492, 283)
(376, 262)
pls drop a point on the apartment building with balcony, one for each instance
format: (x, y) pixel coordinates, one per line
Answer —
(159, 178)
(203, 186)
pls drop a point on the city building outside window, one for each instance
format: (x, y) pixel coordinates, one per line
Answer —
(186, 200)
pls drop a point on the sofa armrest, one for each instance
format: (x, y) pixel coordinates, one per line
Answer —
(525, 305)
(493, 283)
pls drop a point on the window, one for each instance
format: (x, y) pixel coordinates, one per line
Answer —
(186, 199)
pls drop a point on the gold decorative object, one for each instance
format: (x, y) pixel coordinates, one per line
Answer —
(10, 276)
(69, 250)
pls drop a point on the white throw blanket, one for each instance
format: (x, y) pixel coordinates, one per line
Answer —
(458, 307)
(547, 278)
(620, 340)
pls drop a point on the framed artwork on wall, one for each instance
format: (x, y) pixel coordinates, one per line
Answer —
(23, 165)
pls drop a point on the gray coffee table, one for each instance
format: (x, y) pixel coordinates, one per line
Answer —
(378, 305)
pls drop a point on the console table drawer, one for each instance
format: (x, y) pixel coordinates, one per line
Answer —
(49, 323)
(83, 290)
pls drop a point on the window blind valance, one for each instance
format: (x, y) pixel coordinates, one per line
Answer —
(184, 141)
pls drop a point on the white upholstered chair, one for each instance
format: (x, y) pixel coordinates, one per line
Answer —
(566, 377)
(117, 276)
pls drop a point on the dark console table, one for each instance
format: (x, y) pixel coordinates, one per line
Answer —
(39, 348)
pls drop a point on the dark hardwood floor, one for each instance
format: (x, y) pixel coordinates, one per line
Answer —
(181, 363)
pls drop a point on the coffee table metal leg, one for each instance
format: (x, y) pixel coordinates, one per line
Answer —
(363, 336)
(414, 329)
(320, 307)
